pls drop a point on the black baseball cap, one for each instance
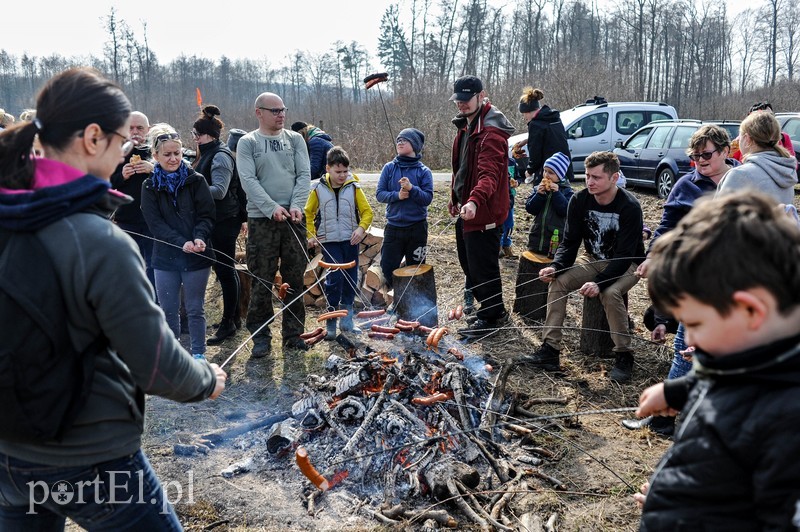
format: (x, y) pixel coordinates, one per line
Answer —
(465, 88)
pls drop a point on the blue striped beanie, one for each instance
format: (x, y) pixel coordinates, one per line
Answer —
(558, 163)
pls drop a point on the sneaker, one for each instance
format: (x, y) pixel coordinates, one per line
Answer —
(546, 357)
(506, 252)
(199, 356)
(481, 327)
(295, 343)
(623, 367)
(661, 425)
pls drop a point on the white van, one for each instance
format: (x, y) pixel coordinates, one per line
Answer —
(597, 125)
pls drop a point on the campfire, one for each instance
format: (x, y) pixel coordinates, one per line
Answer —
(410, 414)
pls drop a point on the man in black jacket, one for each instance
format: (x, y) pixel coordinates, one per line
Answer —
(608, 220)
(734, 464)
(128, 179)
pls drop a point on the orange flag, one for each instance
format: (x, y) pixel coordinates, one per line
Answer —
(199, 98)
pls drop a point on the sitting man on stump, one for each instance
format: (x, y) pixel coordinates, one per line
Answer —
(608, 220)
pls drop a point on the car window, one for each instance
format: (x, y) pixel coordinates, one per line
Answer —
(681, 137)
(637, 141)
(591, 125)
(659, 137)
(792, 128)
(655, 115)
(629, 121)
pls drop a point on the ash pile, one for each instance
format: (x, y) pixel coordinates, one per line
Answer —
(417, 431)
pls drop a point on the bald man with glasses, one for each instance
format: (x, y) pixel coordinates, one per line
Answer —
(274, 171)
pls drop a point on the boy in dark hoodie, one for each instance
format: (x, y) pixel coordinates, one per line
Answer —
(734, 463)
(406, 187)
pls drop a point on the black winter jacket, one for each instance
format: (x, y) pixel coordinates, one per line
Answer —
(546, 137)
(131, 213)
(192, 218)
(735, 463)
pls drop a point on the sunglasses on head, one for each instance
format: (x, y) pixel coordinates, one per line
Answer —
(706, 155)
(167, 136)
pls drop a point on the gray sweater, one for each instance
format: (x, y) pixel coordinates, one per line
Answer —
(765, 171)
(106, 290)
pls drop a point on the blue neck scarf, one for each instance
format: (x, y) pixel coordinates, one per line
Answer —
(406, 161)
(172, 182)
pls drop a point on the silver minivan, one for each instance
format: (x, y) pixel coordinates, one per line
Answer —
(597, 125)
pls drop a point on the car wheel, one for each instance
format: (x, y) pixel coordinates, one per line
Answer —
(664, 182)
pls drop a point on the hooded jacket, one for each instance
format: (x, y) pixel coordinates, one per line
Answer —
(486, 174)
(414, 209)
(765, 171)
(546, 136)
(106, 291)
(734, 464)
(175, 224)
(319, 143)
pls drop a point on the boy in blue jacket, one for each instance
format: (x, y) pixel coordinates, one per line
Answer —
(548, 203)
(406, 187)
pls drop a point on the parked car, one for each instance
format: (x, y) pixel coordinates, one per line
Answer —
(598, 125)
(790, 124)
(655, 155)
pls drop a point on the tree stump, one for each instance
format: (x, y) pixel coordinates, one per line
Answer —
(415, 294)
(530, 300)
(595, 335)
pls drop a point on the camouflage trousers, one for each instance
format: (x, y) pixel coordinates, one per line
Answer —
(270, 244)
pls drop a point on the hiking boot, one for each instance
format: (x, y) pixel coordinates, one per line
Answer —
(481, 327)
(346, 324)
(623, 367)
(330, 329)
(507, 253)
(661, 425)
(546, 357)
(469, 301)
(262, 346)
(295, 343)
(225, 330)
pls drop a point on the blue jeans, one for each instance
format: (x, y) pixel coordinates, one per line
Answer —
(679, 366)
(121, 494)
(168, 286)
(508, 227)
(340, 285)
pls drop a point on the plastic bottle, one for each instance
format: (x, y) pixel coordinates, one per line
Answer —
(553, 244)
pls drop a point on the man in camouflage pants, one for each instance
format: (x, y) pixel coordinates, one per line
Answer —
(275, 173)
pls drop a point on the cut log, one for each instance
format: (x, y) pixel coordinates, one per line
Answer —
(415, 290)
(312, 271)
(245, 288)
(372, 251)
(309, 300)
(374, 278)
(530, 300)
(595, 335)
(374, 236)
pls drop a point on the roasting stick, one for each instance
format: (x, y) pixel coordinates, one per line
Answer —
(241, 346)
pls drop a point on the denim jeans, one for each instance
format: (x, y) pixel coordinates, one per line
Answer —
(168, 286)
(121, 494)
(508, 227)
(341, 285)
(680, 367)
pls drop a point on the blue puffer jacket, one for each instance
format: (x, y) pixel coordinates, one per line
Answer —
(319, 143)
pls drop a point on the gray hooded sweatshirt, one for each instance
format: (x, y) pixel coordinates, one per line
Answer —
(765, 171)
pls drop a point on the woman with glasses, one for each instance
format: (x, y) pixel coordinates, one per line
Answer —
(179, 210)
(768, 166)
(217, 164)
(64, 201)
(709, 148)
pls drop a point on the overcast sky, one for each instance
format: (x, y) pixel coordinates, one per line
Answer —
(272, 29)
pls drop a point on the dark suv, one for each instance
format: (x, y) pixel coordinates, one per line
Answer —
(655, 155)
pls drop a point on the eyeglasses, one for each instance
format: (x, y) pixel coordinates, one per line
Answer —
(402, 141)
(127, 144)
(275, 110)
(195, 134)
(706, 155)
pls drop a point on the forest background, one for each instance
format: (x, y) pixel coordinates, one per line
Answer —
(700, 56)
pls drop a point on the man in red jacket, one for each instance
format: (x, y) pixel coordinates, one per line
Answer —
(479, 197)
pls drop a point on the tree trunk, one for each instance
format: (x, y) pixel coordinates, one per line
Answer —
(531, 294)
(415, 294)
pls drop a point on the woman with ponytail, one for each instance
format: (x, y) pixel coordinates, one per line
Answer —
(546, 134)
(64, 201)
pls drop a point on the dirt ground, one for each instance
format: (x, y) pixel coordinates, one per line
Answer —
(597, 460)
